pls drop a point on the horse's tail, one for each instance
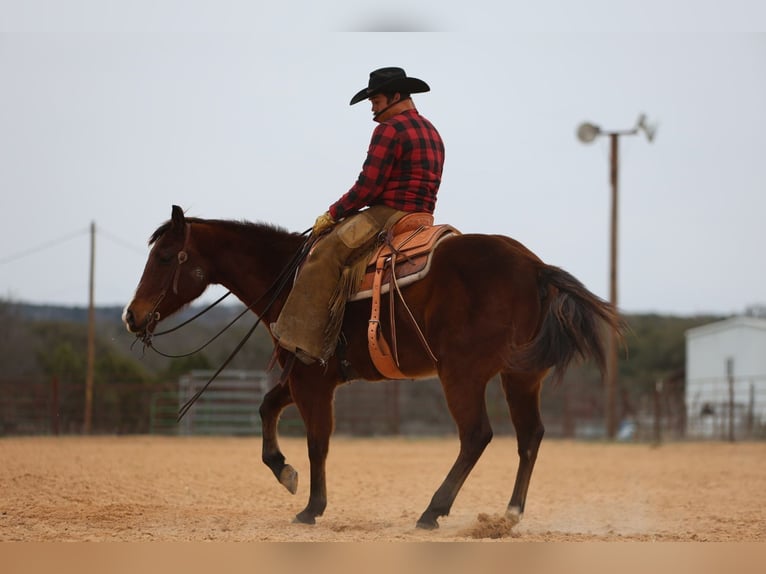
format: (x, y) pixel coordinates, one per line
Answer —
(574, 323)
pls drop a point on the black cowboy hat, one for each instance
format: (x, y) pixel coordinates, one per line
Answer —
(390, 80)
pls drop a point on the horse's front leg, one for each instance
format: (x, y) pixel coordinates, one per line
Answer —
(274, 402)
(314, 399)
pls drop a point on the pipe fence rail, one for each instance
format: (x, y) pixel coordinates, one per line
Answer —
(709, 409)
(727, 408)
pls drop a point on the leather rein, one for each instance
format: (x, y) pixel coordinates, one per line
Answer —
(277, 286)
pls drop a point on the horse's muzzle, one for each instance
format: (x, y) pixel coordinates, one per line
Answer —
(129, 319)
(139, 324)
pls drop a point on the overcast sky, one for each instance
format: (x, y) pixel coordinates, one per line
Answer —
(111, 115)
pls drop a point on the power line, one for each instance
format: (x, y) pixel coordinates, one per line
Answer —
(43, 246)
(121, 242)
(58, 241)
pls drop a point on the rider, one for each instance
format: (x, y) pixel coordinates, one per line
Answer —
(401, 174)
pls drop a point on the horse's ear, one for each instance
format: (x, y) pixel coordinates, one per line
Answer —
(178, 219)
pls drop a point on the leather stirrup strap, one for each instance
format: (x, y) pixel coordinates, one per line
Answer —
(380, 353)
(418, 330)
(391, 310)
(393, 287)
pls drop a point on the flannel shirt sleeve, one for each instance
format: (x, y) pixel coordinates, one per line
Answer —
(383, 151)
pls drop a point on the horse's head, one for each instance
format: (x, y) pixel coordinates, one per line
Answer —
(175, 275)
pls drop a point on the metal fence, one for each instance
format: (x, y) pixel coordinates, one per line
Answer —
(52, 406)
(230, 407)
(728, 408)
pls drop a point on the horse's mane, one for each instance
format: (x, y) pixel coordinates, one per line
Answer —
(249, 227)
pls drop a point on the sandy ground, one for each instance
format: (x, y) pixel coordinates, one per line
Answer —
(197, 489)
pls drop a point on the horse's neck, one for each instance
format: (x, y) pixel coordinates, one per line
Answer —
(248, 260)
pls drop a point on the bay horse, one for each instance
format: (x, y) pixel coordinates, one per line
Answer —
(487, 306)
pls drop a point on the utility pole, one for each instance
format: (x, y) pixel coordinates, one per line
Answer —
(730, 379)
(586, 133)
(88, 419)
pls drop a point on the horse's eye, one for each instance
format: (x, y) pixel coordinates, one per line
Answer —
(165, 258)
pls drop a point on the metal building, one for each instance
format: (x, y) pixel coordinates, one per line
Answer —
(726, 379)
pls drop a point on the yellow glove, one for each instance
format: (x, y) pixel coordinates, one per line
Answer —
(323, 222)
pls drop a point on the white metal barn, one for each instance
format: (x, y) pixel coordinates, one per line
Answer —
(726, 379)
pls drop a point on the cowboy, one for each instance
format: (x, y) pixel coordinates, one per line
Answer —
(401, 174)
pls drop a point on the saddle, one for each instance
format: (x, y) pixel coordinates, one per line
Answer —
(403, 258)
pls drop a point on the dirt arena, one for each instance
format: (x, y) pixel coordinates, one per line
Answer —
(198, 489)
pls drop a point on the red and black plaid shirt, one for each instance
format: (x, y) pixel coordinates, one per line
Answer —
(403, 168)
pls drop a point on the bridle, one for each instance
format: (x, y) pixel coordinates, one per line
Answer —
(276, 287)
(182, 257)
(153, 316)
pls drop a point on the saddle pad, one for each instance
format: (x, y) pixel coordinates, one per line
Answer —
(414, 250)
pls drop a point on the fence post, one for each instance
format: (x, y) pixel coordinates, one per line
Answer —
(55, 405)
(730, 376)
(658, 411)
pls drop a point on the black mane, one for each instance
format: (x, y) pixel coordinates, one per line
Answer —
(269, 229)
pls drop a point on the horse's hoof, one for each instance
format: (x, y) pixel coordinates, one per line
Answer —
(426, 524)
(304, 518)
(513, 515)
(289, 479)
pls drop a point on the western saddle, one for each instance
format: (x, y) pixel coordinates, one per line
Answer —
(403, 258)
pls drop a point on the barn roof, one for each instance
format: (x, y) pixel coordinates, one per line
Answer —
(726, 325)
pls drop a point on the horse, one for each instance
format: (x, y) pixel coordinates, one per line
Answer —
(488, 306)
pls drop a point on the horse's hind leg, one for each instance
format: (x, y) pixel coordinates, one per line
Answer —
(523, 395)
(274, 402)
(468, 408)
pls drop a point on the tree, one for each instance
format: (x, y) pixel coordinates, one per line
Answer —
(16, 341)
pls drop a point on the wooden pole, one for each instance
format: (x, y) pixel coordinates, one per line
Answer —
(55, 406)
(751, 412)
(658, 411)
(610, 392)
(587, 132)
(730, 377)
(88, 419)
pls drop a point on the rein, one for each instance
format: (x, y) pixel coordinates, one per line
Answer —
(182, 257)
(279, 285)
(147, 337)
(197, 316)
(147, 340)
